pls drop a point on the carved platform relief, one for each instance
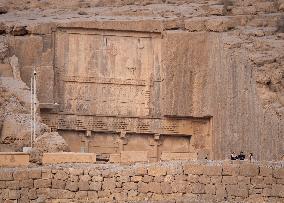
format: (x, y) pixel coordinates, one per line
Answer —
(103, 74)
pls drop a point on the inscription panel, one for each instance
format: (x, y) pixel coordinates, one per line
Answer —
(99, 73)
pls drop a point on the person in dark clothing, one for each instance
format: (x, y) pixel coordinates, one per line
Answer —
(241, 156)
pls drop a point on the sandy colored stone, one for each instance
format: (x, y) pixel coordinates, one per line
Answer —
(134, 156)
(68, 157)
(14, 159)
(249, 170)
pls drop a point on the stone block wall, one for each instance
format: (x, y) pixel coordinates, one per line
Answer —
(158, 182)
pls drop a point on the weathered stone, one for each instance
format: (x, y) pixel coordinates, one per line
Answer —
(35, 173)
(61, 175)
(76, 171)
(81, 195)
(237, 191)
(230, 180)
(26, 183)
(61, 194)
(96, 186)
(83, 185)
(13, 185)
(265, 171)
(130, 186)
(213, 170)
(42, 183)
(249, 170)
(157, 171)
(92, 195)
(6, 175)
(143, 187)
(14, 194)
(72, 186)
(195, 24)
(278, 172)
(147, 179)
(230, 170)
(19, 30)
(154, 187)
(108, 185)
(193, 178)
(178, 186)
(136, 179)
(210, 189)
(166, 188)
(193, 169)
(58, 184)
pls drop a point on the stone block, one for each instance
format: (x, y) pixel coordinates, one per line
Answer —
(278, 172)
(83, 185)
(247, 169)
(221, 193)
(157, 171)
(27, 183)
(167, 156)
(140, 171)
(35, 173)
(61, 175)
(14, 194)
(154, 187)
(198, 188)
(175, 170)
(95, 186)
(194, 169)
(68, 157)
(230, 170)
(229, 180)
(12, 159)
(143, 187)
(72, 186)
(81, 195)
(108, 185)
(213, 170)
(277, 190)
(114, 158)
(219, 24)
(92, 195)
(134, 156)
(6, 175)
(235, 190)
(2, 184)
(61, 194)
(147, 179)
(210, 189)
(195, 24)
(136, 179)
(192, 178)
(76, 171)
(42, 183)
(265, 171)
(179, 186)
(58, 184)
(13, 185)
(166, 188)
(204, 179)
(130, 186)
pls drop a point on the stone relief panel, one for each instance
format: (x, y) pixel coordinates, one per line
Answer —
(101, 73)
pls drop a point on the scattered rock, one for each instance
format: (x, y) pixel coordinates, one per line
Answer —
(51, 142)
(19, 30)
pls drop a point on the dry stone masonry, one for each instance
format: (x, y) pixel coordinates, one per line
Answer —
(158, 182)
